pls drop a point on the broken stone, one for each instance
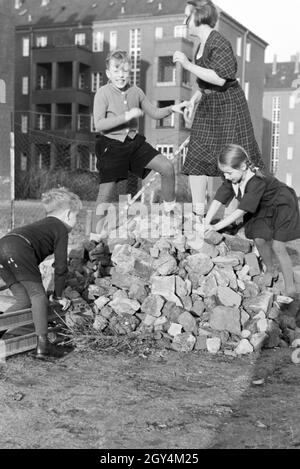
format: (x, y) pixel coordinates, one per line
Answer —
(165, 287)
(225, 318)
(101, 302)
(213, 345)
(201, 343)
(252, 261)
(228, 297)
(244, 317)
(213, 237)
(262, 325)
(187, 321)
(244, 347)
(153, 305)
(175, 329)
(235, 243)
(184, 342)
(124, 281)
(187, 303)
(246, 334)
(226, 261)
(149, 320)
(258, 340)
(199, 264)
(106, 312)
(100, 323)
(260, 303)
(137, 292)
(198, 308)
(124, 306)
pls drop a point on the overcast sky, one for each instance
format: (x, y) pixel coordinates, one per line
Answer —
(277, 22)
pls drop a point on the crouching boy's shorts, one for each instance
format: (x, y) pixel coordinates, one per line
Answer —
(115, 159)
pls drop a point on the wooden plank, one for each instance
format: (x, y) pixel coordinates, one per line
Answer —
(22, 318)
(20, 344)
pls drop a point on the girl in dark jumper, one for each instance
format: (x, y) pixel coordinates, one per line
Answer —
(269, 207)
(24, 248)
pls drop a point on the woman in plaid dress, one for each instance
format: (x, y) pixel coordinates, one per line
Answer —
(222, 116)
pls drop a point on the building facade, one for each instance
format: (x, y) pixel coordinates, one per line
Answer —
(60, 63)
(281, 112)
(6, 95)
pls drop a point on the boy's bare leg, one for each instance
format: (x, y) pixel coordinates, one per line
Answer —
(165, 168)
(266, 252)
(286, 265)
(105, 196)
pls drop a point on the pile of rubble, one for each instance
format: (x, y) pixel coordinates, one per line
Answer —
(189, 293)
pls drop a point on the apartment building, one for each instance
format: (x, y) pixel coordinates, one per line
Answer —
(281, 112)
(6, 94)
(60, 62)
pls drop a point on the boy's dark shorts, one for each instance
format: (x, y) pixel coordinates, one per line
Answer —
(115, 159)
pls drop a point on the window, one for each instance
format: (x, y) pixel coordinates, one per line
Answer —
(18, 4)
(93, 162)
(166, 71)
(186, 78)
(292, 102)
(81, 81)
(168, 121)
(290, 153)
(98, 41)
(2, 92)
(180, 30)
(41, 41)
(135, 54)
(80, 39)
(159, 32)
(42, 82)
(166, 150)
(247, 89)
(248, 51)
(24, 124)
(25, 85)
(92, 127)
(276, 108)
(239, 46)
(97, 81)
(113, 39)
(25, 47)
(41, 122)
(289, 179)
(291, 127)
(23, 161)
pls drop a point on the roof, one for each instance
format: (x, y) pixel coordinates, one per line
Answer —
(285, 76)
(87, 11)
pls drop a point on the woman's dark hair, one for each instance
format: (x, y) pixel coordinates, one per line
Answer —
(234, 155)
(205, 12)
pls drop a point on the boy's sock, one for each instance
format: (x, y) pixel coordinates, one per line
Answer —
(169, 206)
(199, 209)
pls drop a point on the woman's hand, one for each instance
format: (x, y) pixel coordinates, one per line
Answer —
(181, 58)
(188, 112)
(179, 107)
(65, 303)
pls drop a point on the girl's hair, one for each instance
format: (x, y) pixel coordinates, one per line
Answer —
(119, 55)
(60, 199)
(205, 12)
(234, 155)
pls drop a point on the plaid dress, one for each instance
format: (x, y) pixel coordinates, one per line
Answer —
(222, 116)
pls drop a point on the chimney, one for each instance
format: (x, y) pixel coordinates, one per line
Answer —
(297, 65)
(274, 68)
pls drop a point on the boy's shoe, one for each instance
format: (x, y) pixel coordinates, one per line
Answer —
(45, 350)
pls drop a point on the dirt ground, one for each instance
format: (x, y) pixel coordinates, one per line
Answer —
(164, 400)
(198, 401)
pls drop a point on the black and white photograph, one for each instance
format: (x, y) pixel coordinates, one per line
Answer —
(149, 229)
